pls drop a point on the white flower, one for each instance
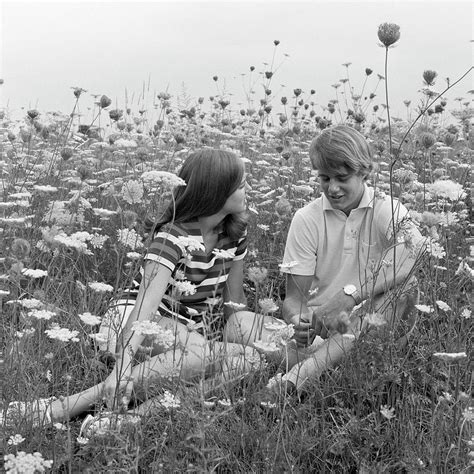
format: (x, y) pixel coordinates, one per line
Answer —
(26, 463)
(70, 241)
(235, 306)
(82, 440)
(435, 249)
(288, 265)
(185, 288)
(103, 212)
(168, 400)
(90, 319)
(97, 241)
(124, 143)
(223, 254)
(267, 305)
(133, 255)
(132, 192)
(62, 334)
(29, 303)
(468, 413)
(15, 440)
(100, 287)
(450, 356)
(41, 314)
(45, 188)
(188, 244)
(224, 402)
(387, 412)
(424, 308)
(34, 273)
(162, 337)
(446, 189)
(129, 238)
(443, 306)
(152, 179)
(375, 319)
(275, 325)
(212, 301)
(466, 313)
(263, 227)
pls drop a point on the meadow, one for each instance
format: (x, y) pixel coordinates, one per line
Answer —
(73, 199)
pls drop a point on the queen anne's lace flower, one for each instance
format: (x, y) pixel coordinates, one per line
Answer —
(62, 334)
(90, 319)
(188, 244)
(153, 179)
(445, 188)
(41, 314)
(267, 305)
(163, 337)
(186, 288)
(129, 238)
(34, 273)
(100, 287)
(169, 401)
(22, 462)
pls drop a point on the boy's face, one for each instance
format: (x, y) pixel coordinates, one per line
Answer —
(343, 188)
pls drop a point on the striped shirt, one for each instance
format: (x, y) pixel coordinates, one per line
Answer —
(197, 277)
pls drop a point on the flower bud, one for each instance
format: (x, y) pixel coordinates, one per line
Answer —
(276, 42)
(215, 78)
(312, 92)
(283, 207)
(449, 139)
(11, 136)
(20, 248)
(427, 139)
(284, 100)
(66, 153)
(33, 113)
(268, 74)
(104, 102)
(388, 33)
(429, 76)
(368, 71)
(297, 92)
(252, 68)
(116, 114)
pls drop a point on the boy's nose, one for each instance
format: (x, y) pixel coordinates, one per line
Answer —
(333, 187)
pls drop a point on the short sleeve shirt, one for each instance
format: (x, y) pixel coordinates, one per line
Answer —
(196, 275)
(336, 249)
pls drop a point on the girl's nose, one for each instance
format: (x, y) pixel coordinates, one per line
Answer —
(333, 187)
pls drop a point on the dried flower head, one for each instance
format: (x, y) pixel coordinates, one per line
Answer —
(429, 77)
(388, 33)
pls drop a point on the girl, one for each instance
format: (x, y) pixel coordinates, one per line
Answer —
(195, 257)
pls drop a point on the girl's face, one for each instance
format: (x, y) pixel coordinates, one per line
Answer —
(236, 202)
(343, 189)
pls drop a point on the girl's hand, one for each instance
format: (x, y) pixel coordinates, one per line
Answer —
(118, 387)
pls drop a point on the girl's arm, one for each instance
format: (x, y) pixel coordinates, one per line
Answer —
(152, 288)
(234, 288)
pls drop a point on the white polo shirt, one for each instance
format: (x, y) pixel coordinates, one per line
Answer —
(338, 249)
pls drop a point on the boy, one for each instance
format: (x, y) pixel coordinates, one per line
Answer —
(341, 252)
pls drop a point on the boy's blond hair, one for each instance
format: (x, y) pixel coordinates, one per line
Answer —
(341, 147)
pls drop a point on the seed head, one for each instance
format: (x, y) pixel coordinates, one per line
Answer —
(104, 102)
(429, 77)
(388, 33)
(33, 113)
(66, 153)
(427, 140)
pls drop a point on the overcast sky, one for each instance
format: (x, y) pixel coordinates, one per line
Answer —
(113, 47)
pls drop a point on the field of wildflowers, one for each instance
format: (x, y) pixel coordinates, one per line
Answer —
(73, 199)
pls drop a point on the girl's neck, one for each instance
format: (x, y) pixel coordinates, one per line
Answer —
(210, 224)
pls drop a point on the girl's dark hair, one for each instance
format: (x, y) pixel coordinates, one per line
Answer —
(211, 176)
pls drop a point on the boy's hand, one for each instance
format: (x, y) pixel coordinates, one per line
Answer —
(304, 332)
(334, 315)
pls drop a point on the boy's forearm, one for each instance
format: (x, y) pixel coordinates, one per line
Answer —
(292, 307)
